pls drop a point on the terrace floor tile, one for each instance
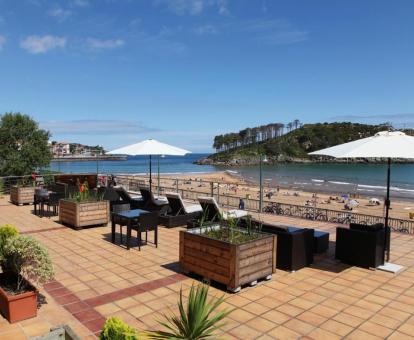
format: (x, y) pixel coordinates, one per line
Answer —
(96, 279)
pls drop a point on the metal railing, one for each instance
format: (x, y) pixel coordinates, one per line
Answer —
(231, 200)
(8, 181)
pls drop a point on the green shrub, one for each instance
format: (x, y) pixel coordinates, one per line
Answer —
(7, 231)
(28, 259)
(116, 329)
(200, 320)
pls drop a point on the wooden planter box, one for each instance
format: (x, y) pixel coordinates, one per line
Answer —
(83, 214)
(18, 307)
(231, 264)
(22, 195)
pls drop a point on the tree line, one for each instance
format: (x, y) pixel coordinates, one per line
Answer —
(253, 135)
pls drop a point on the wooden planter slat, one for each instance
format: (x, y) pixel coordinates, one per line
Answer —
(210, 250)
(229, 264)
(83, 214)
(22, 195)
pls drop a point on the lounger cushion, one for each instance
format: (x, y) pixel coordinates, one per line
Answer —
(189, 209)
(234, 214)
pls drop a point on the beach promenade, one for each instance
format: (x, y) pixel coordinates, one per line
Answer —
(96, 279)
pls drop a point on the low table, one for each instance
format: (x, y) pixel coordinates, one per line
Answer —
(128, 218)
(321, 241)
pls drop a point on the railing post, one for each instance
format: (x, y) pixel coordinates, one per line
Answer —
(212, 189)
(218, 193)
(176, 185)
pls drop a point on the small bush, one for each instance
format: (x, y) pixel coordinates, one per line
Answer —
(28, 259)
(200, 319)
(7, 231)
(116, 329)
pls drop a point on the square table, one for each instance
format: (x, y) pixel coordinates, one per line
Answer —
(127, 218)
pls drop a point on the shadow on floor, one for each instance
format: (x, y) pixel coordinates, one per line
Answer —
(173, 266)
(326, 261)
(132, 244)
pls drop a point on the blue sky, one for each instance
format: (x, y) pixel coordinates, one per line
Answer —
(117, 71)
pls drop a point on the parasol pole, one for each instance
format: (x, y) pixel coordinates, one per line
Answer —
(387, 208)
(150, 177)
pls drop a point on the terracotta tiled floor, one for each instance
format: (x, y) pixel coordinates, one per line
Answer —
(96, 279)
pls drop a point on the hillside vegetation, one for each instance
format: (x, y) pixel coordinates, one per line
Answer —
(295, 145)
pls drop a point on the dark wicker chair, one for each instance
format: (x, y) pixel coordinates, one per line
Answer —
(295, 246)
(361, 245)
(147, 222)
(53, 202)
(119, 207)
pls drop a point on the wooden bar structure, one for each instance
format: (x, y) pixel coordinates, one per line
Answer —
(83, 214)
(74, 179)
(22, 195)
(231, 264)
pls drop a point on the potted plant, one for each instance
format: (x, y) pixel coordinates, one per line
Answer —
(200, 319)
(84, 208)
(227, 254)
(26, 265)
(23, 192)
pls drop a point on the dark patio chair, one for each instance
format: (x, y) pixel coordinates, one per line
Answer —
(53, 202)
(361, 245)
(295, 246)
(119, 207)
(147, 222)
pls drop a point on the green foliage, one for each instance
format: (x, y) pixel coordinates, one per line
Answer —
(83, 194)
(7, 231)
(29, 260)
(198, 321)
(300, 141)
(1, 186)
(23, 145)
(116, 329)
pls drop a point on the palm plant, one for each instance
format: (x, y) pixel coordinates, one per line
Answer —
(199, 320)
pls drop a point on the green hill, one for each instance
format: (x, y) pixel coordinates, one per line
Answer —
(293, 146)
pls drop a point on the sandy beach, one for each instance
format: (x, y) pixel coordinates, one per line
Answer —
(237, 186)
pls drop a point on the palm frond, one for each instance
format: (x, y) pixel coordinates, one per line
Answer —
(198, 320)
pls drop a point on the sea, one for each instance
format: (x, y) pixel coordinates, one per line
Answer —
(342, 178)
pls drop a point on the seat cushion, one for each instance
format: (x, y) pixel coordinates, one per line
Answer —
(189, 209)
(234, 214)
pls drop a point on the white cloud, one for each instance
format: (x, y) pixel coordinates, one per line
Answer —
(41, 44)
(80, 3)
(95, 127)
(2, 41)
(223, 7)
(59, 13)
(205, 30)
(194, 7)
(275, 32)
(100, 44)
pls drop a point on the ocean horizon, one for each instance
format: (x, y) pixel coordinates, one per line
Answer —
(365, 179)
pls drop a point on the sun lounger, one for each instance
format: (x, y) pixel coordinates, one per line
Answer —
(214, 213)
(179, 213)
(153, 203)
(134, 201)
